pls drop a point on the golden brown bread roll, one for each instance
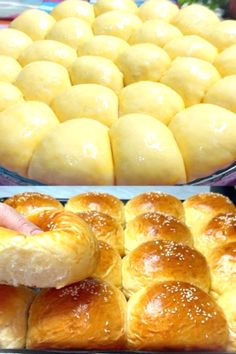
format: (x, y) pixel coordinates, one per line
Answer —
(86, 315)
(101, 202)
(105, 228)
(175, 316)
(155, 226)
(64, 253)
(74, 8)
(109, 265)
(14, 306)
(13, 42)
(161, 260)
(158, 9)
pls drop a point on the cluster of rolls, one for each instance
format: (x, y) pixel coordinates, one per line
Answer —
(154, 274)
(116, 94)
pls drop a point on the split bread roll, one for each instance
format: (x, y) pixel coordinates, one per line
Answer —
(9, 68)
(158, 9)
(225, 61)
(76, 152)
(192, 129)
(64, 253)
(223, 34)
(14, 307)
(13, 42)
(160, 260)
(175, 316)
(86, 315)
(9, 95)
(74, 8)
(145, 152)
(102, 6)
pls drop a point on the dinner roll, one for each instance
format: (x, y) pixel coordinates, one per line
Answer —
(201, 208)
(190, 78)
(191, 46)
(225, 61)
(154, 202)
(35, 23)
(50, 51)
(86, 315)
(105, 228)
(161, 260)
(22, 127)
(9, 69)
(74, 8)
(100, 202)
(96, 70)
(14, 306)
(116, 23)
(155, 31)
(9, 95)
(109, 47)
(13, 42)
(158, 9)
(102, 6)
(145, 152)
(64, 253)
(155, 226)
(192, 129)
(175, 316)
(223, 34)
(222, 93)
(76, 152)
(89, 101)
(152, 98)
(71, 31)
(143, 62)
(109, 265)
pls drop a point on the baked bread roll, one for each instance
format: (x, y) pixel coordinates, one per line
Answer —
(158, 9)
(14, 306)
(192, 128)
(152, 98)
(142, 62)
(9, 95)
(86, 315)
(74, 8)
(223, 34)
(175, 316)
(154, 201)
(102, 6)
(87, 101)
(116, 23)
(160, 260)
(48, 50)
(35, 23)
(9, 68)
(96, 70)
(105, 228)
(145, 152)
(109, 265)
(99, 202)
(22, 127)
(76, 152)
(225, 61)
(64, 253)
(201, 208)
(13, 42)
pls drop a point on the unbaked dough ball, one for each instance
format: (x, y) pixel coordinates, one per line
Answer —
(74, 8)
(152, 98)
(158, 9)
(9, 95)
(13, 42)
(89, 101)
(42, 81)
(145, 152)
(116, 23)
(191, 78)
(102, 6)
(50, 51)
(155, 31)
(22, 127)
(143, 62)
(9, 69)
(223, 93)
(191, 46)
(76, 152)
(109, 47)
(35, 23)
(195, 19)
(206, 136)
(71, 31)
(222, 35)
(225, 62)
(96, 70)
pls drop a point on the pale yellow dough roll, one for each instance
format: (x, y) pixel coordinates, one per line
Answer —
(9, 69)
(225, 62)
(158, 9)
(102, 6)
(9, 95)
(13, 42)
(223, 34)
(74, 8)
